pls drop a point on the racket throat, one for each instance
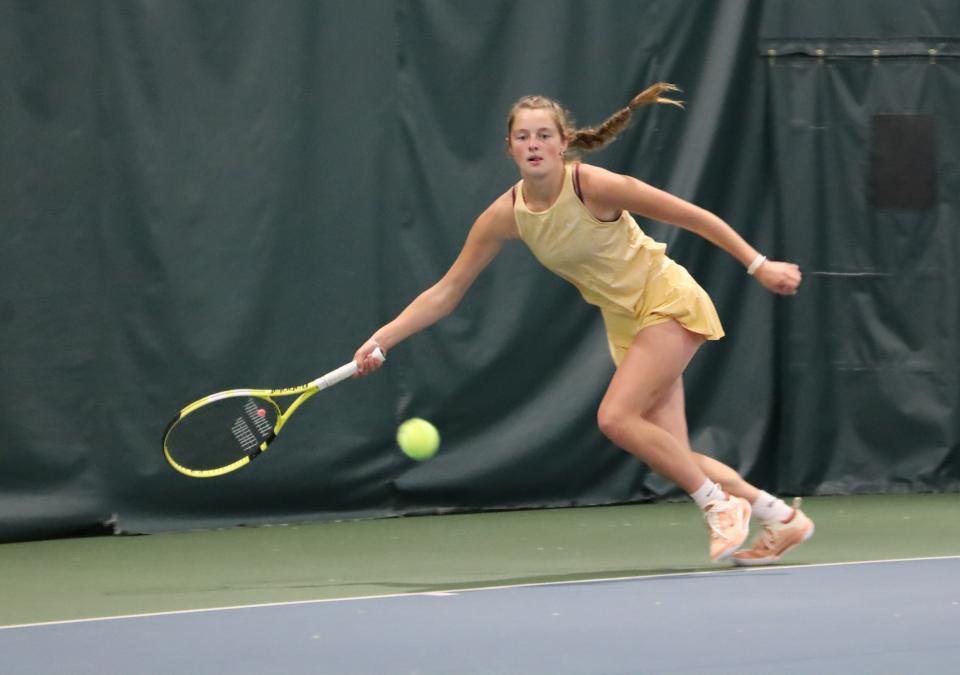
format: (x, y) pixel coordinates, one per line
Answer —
(263, 446)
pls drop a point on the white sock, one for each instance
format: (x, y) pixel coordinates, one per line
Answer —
(768, 507)
(706, 493)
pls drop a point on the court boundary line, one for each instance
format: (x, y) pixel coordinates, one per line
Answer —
(456, 591)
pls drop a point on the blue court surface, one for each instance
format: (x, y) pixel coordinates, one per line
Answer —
(877, 617)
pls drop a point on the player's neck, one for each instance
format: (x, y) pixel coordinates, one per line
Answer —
(541, 191)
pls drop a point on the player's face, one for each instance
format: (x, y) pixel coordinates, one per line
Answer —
(536, 143)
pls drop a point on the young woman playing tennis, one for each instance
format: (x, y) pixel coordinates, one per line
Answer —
(576, 220)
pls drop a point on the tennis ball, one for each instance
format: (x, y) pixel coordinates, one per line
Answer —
(418, 439)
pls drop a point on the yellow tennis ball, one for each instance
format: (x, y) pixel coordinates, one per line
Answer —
(418, 439)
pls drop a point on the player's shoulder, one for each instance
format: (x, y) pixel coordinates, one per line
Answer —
(502, 207)
(498, 218)
(593, 174)
(598, 182)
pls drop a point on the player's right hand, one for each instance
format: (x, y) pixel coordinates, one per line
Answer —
(365, 360)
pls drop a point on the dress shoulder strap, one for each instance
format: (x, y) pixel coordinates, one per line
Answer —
(576, 181)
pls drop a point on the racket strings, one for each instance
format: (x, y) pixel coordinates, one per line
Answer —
(222, 432)
(251, 428)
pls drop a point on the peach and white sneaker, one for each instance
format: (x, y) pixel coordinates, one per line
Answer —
(728, 522)
(777, 538)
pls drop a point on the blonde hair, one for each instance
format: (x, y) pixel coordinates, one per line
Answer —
(589, 139)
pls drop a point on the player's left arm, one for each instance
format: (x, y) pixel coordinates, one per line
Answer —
(605, 192)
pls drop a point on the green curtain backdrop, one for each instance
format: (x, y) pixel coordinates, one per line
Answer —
(870, 348)
(204, 195)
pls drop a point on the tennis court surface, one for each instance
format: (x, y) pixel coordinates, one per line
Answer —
(622, 589)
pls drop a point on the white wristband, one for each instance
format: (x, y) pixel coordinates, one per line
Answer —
(755, 265)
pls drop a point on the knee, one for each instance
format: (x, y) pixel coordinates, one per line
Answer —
(613, 420)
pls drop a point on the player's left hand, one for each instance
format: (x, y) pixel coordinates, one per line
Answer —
(782, 278)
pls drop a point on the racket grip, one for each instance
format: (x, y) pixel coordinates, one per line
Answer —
(343, 372)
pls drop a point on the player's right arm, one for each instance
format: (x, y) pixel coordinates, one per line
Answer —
(485, 239)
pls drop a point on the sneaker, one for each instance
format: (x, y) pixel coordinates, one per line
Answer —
(729, 524)
(777, 538)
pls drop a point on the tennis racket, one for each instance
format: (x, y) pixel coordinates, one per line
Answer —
(226, 431)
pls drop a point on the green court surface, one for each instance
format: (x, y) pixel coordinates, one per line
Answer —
(110, 576)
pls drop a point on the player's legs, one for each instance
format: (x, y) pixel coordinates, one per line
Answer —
(670, 414)
(648, 378)
(649, 370)
(783, 527)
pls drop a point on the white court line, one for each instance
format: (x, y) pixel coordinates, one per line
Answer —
(494, 587)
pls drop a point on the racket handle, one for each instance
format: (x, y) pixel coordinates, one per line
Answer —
(343, 372)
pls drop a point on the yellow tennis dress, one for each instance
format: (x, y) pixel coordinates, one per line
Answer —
(616, 267)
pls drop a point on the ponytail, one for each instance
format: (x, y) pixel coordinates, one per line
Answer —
(590, 139)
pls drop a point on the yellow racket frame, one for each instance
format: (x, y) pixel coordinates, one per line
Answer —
(305, 391)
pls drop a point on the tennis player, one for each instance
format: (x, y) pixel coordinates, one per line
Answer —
(576, 219)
